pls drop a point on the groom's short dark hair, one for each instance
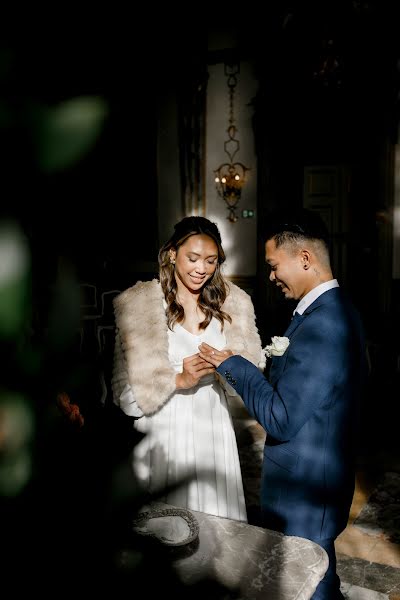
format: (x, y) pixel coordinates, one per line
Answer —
(301, 222)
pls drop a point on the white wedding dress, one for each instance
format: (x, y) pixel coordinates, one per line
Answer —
(190, 443)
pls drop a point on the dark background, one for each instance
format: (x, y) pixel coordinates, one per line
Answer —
(328, 94)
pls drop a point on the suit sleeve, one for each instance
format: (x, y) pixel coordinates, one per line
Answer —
(315, 360)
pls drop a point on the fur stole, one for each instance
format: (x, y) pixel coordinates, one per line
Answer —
(141, 349)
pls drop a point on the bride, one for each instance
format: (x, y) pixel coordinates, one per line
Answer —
(189, 448)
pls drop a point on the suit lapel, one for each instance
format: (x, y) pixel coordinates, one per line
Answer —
(327, 296)
(278, 363)
(293, 325)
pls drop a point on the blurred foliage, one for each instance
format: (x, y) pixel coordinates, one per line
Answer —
(67, 490)
(16, 438)
(14, 280)
(56, 479)
(62, 135)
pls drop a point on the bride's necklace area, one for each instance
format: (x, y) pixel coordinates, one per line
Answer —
(193, 316)
(194, 312)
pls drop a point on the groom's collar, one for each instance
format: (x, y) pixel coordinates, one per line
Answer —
(315, 293)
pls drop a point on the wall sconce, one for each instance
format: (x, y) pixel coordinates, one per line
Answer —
(231, 176)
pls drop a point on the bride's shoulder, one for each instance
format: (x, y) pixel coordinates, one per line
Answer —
(140, 290)
(234, 292)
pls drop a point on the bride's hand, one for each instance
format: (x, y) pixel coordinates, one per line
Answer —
(212, 355)
(193, 369)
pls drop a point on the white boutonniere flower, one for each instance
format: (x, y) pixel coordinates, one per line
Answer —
(277, 347)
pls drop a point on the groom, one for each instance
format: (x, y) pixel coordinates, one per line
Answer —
(309, 405)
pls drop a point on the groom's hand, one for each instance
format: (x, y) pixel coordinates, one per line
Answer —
(212, 355)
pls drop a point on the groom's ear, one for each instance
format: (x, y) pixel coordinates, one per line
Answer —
(305, 257)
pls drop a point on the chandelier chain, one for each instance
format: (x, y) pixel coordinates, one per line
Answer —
(230, 177)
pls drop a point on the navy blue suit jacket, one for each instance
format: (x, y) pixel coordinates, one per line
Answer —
(309, 409)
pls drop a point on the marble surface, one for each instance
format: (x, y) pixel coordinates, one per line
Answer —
(251, 562)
